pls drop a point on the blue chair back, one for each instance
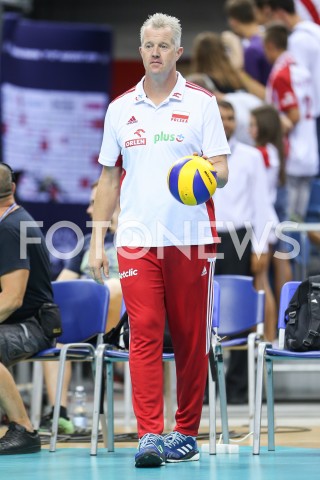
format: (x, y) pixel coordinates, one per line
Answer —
(241, 305)
(287, 292)
(84, 308)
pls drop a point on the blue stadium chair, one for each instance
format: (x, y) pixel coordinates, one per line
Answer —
(241, 310)
(266, 357)
(107, 356)
(84, 307)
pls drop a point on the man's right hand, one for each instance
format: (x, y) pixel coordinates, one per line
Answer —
(98, 264)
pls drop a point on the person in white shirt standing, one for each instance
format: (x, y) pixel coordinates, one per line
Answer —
(304, 45)
(288, 89)
(243, 102)
(267, 133)
(164, 247)
(244, 211)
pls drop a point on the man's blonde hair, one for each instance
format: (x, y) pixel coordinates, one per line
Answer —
(160, 20)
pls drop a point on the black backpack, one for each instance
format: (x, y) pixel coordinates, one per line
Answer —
(122, 329)
(302, 317)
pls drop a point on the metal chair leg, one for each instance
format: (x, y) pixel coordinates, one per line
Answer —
(212, 412)
(36, 394)
(270, 404)
(110, 407)
(251, 377)
(222, 393)
(97, 399)
(56, 411)
(258, 400)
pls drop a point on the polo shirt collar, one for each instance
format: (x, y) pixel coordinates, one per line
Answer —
(176, 94)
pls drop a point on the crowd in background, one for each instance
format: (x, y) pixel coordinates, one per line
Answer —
(264, 74)
(265, 66)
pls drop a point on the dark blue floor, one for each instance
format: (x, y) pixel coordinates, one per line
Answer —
(77, 464)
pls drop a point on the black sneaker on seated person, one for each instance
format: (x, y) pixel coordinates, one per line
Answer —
(18, 440)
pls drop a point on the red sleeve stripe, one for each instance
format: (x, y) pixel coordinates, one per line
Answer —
(193, 86)
(123, 94)
(312, 10)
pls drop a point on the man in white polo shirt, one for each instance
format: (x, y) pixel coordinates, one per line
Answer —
(304, 45)
(163, 246)
(288, 89)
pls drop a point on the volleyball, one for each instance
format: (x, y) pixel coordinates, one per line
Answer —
(192, 180)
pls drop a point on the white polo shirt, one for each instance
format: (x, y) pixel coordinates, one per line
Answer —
(245, 200)
(243, 103)
(150, 139)
(308, 10)
(271, 159)
(304, 44)
(289, 86)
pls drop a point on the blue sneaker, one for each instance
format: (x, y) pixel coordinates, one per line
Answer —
(151, 451)
(180, 448)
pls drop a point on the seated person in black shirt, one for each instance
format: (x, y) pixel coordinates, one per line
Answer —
(25, 299)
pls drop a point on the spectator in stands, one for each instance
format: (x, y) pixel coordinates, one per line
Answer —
(304, 45)
(77, 267)
(209, 56)
(242, 21)
(266, 131)
(217, 58)
(26, 306)
(263, 11)
(305, 9)
(288, 89)
(245, 201)
(243, 102)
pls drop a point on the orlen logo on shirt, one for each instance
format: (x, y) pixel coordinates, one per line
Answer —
(135, 142)
(132, 272)
(167, 137)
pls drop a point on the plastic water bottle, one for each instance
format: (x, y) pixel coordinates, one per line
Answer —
(80, 418)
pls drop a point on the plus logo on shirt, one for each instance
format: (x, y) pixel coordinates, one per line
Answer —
(168, 137)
